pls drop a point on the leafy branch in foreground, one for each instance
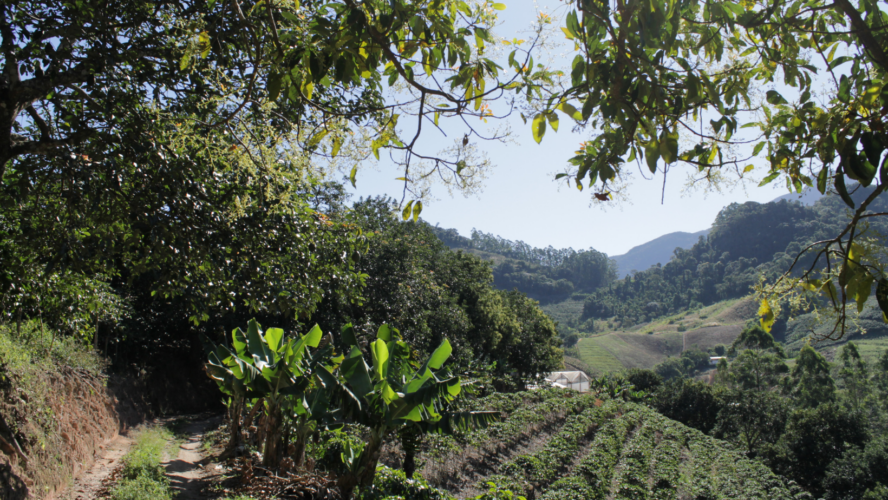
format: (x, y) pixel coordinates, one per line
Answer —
(647, 73)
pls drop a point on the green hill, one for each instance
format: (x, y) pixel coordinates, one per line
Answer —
(559, 445)
(647, 344)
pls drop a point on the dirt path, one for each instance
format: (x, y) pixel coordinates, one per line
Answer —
(91, 482)
(186, 472)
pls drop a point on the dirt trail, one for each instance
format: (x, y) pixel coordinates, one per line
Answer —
(186, 472)
(90, 484)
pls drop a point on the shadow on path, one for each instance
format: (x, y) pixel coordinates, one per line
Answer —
(185, 472)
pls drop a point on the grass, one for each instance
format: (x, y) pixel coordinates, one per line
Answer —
(597, 357)
(142, 477)
(647, 344)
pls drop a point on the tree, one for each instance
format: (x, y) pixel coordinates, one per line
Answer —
(754, 418)
(154, 133)
(647, 73)
(854, 375)
(419, 286)
(859, 472)
(812, 383)
(814, 438)
(691, 402)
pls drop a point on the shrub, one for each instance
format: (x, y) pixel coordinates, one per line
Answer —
(391, 484)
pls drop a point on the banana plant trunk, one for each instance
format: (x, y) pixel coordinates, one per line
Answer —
(273, 431)
(410, 439)
(302, 431)
(366, 469)
(370, 457)
(234, 423)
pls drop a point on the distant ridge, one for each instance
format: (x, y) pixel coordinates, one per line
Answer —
(808, 197)
(658, 250)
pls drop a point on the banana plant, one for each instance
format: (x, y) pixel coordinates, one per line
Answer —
(265, 365)
(389, 393)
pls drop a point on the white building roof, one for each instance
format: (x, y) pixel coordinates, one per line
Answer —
(571, 377)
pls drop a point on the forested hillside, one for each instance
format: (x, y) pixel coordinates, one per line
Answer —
(546, 274)
(747, 242)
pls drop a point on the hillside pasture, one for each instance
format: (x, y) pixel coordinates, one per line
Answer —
(599, 359)
(711, 336)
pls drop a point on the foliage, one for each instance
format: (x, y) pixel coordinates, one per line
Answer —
(811, 379)
(646, 71)
(643, 379)
(813, 439)
(859, 472)
(748, 242)
(754, 418)
(690, 402)
(545, 273)
(416, 284)
(280, 372)
(391, 483)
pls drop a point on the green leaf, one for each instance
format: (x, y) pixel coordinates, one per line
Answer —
(380, 354)
(842, 190)
(352, 175)
(354, 371)
(274, 336)
(348, 335)
(844, 89)
(767, 315)
(274, 86)
(758, 148)
(553, 120)
(203, 40)
(417, 209)
(774, 97)
(384, 333)
(770, 177)
(570, 111)
(539, 127)
(822, 179)
(669, 145)
(440, 356)
(337, 143)
(314, 336)
(317, 138)
(652, 154)
(499, 6)
(405, 214)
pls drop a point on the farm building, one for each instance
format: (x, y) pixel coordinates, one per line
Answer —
(577, 380)
(713, 360)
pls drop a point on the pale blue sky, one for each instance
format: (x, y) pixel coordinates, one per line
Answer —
(521, 201)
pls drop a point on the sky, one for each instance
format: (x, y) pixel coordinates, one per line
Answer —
(522, 201)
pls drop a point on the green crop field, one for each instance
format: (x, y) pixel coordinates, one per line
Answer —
(599, 359)
(559, 445)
